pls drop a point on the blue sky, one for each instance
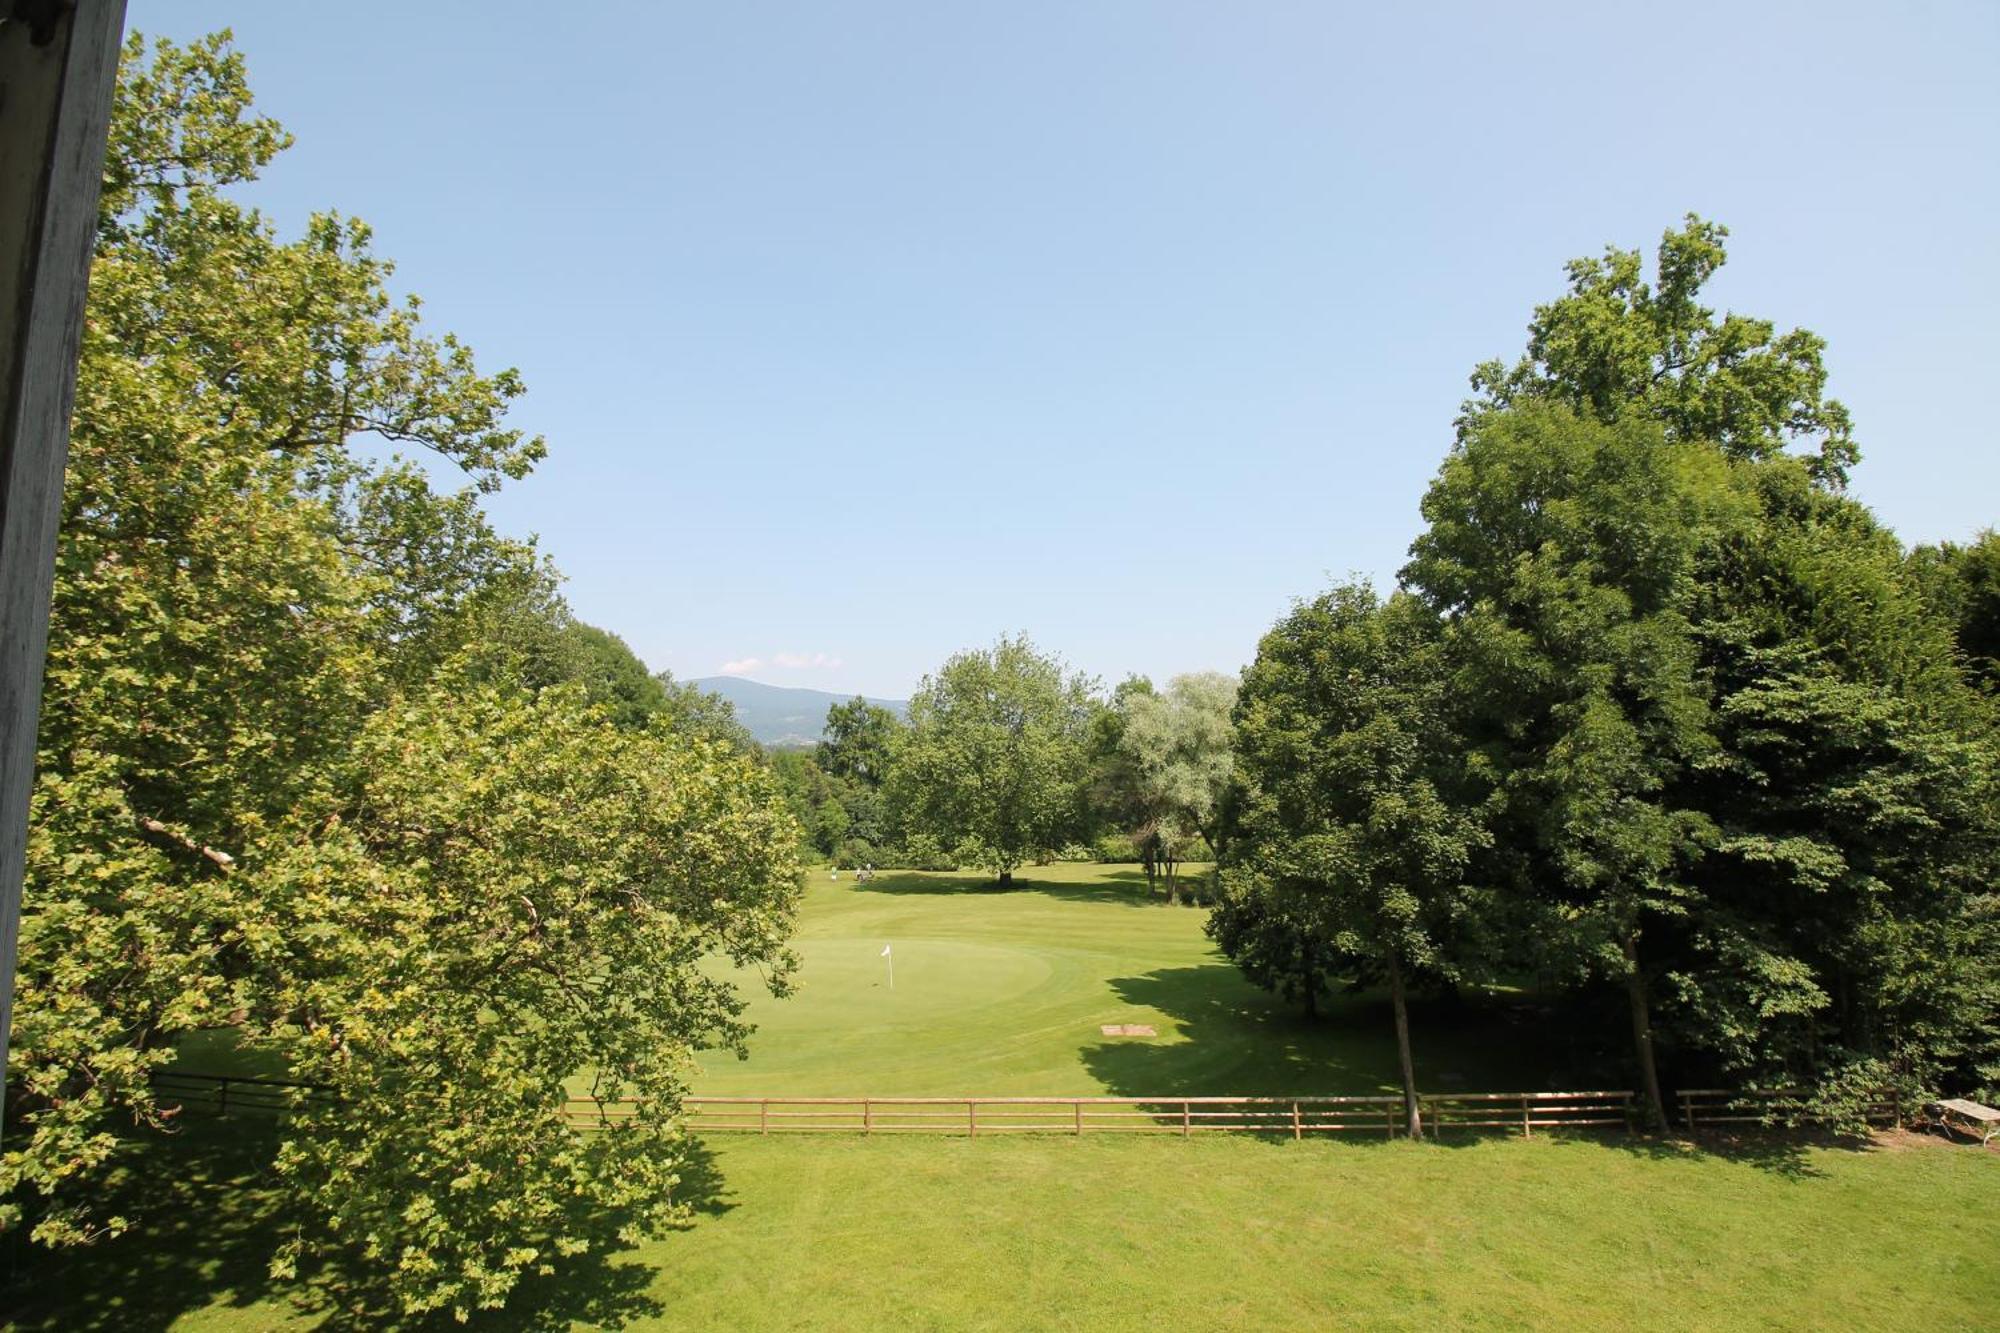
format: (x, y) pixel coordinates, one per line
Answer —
(862, 333)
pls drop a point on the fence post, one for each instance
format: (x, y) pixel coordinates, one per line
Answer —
(1187, 1121)
(764, 1116)
(1298, 1131)
(1389, 1120)
(1687, 1109)
(222, 1097)
(867, 1117)
(1079, 1116)
(972, 1120)
(1527, 1119)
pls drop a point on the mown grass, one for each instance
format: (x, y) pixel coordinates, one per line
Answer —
(1003, 993)
(1132, 1233)
(1006, 992)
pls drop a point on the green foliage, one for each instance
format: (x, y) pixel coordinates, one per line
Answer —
(1617, 346)
(1962, 584)
(993, 758)
(308, 771)
(1349, 850)
(1170, 767)
(860, 738)
(507, 896)
(614, 678)
(1714, 703)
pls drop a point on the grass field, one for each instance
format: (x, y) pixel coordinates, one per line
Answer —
(1003, 993)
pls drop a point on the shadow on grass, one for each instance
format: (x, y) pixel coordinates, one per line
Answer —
(1125, 887)
(207, 1218)
(1240, 1041)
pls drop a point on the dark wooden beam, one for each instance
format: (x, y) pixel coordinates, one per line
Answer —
(58, 61)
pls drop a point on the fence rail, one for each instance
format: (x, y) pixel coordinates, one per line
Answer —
(1185, 1116)
(1441, 1113)
(1761, 1106)
(223, 1093)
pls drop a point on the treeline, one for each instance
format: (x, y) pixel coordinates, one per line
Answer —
(1659, 708)
(1010, 758)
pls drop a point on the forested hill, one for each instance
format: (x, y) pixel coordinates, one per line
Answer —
(777, 715)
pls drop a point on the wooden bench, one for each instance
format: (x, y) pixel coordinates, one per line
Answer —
(1956, 1113)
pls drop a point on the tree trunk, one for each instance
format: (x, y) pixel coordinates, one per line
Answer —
(1412, 1121)
(1006, 879)
(1642, 1033)
(1312, 994)
(1173, 883)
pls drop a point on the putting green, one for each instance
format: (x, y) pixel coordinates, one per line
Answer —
(1005, 993)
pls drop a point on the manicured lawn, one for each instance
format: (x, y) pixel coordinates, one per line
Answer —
(1005, 993)
(1111, 1233)
(1000, 993)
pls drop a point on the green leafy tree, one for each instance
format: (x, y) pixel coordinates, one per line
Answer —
(1348, 830)
(994, 757)
(1110, 785)
(860, 738)
(1173, 764)
(499, 899)
(1658, 611)
(1273, 940)
(1565, 553)
(1962, 583)
(703, 714)
(289, 787)
(1617, 346)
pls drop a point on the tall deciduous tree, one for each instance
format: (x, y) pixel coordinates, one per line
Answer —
(1176, 763)
(1348, 831)
(288, 786)
(859, 739)
(1713, 698)
(1564, 553)
(1617, 346)
(498, 899)
(994, 753)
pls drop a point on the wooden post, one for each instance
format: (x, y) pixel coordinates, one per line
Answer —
(764, 1116)
(1187, 1121)
(1079, 1117)
(222, 1097)
(867, 1118)
(57, 66)
(1298, 1130)
(972, 1120)
(1527, 1118)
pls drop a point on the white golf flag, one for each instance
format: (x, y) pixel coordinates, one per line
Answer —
(892, 966)
(885, 951)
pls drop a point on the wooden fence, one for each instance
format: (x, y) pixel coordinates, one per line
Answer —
(1763, 1106)
(223, 1093)
(1295, 1117)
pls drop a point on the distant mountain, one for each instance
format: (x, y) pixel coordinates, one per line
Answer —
(782, 716)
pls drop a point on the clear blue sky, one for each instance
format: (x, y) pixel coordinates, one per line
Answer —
(862, 333)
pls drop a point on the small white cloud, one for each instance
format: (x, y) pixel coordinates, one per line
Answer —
(742, 666)
(804, 661)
